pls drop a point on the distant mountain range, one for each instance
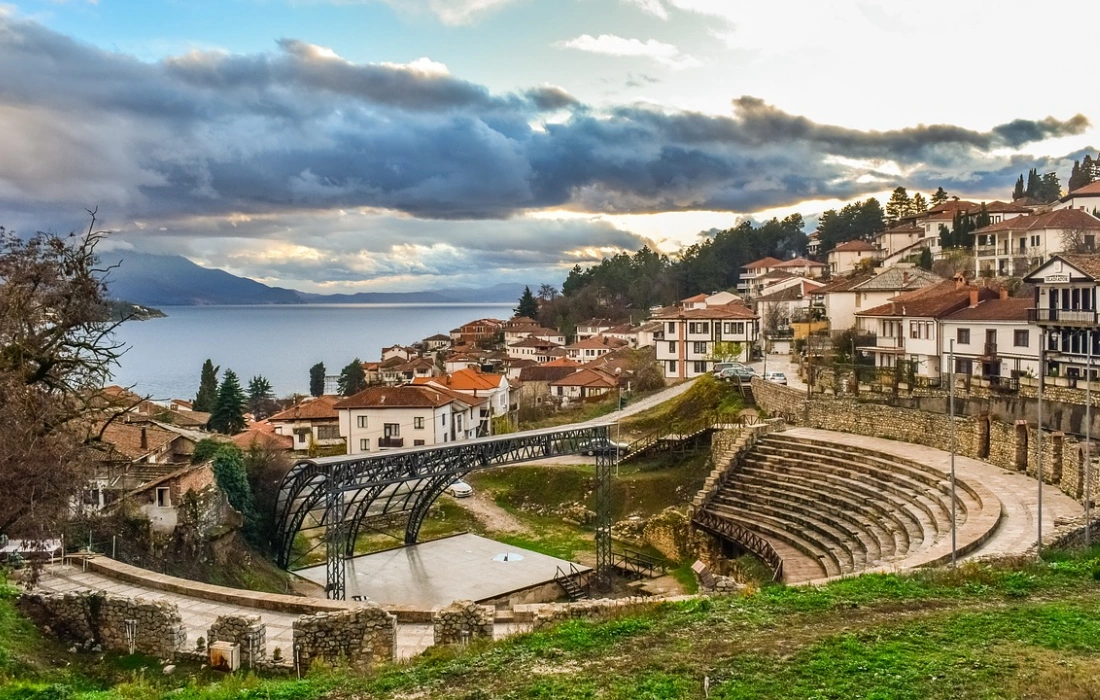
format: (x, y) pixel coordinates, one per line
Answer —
(173, 280)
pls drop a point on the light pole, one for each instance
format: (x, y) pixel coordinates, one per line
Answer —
(1039, 436)
(951, 366)
(1088, 439)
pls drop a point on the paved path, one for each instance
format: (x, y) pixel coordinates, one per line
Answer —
(780, 363)
(1017, 492)
(198, 614)
(640, 405)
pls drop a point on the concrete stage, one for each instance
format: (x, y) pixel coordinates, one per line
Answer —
(464, 567)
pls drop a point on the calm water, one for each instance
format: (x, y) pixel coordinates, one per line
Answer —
(279, 342)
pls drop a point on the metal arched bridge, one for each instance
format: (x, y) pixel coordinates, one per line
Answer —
(341, 494)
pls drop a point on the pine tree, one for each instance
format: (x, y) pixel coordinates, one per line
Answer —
(1091, 168)
(353, 378)
(1018, 192)
(899, 205)
(527, 305)
(317, 379)
(1050, 189)
(228, 415)
(919, 205)
(925, 262)
(208, 388)
(1033, 184)
(259, 396)
(939, 197)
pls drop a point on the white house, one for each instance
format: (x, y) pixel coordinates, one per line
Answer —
(780, 306)
(593, 327)
(520, 328)
(591, 348)
(1014, 246)
(687, 346)
(850, 255)
(1085, 198)
(747, 282)
(381, 418)
(897, 238)
(584, 384)
(1065, 310)
(313, 422)
(494, 388)
(405, 353)
(437, 342)
(992, 339)
(532, 348)
(802, 267)
(649, 333)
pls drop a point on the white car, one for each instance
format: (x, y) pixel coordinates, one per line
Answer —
(460, 489)
(777, 377)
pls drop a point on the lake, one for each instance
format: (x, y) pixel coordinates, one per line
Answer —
(280, 342)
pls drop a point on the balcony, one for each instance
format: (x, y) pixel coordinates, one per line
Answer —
(1062, 317)
(390, 442)
(890, 343)
(989, 350)
(985, 251)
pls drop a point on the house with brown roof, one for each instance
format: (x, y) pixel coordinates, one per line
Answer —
(690, 335)
(747, 281)
(1085, 198)
(843, 297)
(587, 383)
(435, 342)
(477, 332)
(532, 348)
(591, 348)
(802, 267)
(493, 388)
(909, 326)
(1014, 246)
(394, 417)
(779, 307)
(1064, 310)
(312, 423)
(404, 352)
(593, 327)
(159, 499)
(851, 255)
(991, 339)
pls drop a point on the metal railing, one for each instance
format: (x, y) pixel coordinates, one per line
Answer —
(736, 532)
(989, 350)
(1072, 316)
(638, 563)
(391, 442)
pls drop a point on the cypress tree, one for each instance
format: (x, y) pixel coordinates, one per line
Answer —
(317, 379)
(1033, 184)
(1075, 177)
(1018, 192)
(228, 415)
(208, 388)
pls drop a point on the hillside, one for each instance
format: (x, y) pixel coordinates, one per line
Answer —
(1007, 629)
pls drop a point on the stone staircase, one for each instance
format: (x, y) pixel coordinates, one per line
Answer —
(830, 509)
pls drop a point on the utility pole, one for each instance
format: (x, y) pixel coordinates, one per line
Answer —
(1039, 440)
(953, 450)
(1088, 441)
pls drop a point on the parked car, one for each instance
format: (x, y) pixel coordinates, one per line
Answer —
(604, 447)
(460, 489)
(738, 372)
(776, 377)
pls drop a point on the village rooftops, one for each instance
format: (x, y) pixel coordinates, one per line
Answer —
(1069, 219)
(464, 380)
(730, 311)
(791, 293)
(133, 441)
(995, 310)
(999, 207)
(1090, 190)
(763, 263)
(932, 302)
(562, 362)
(587, 377)
(408, 396)
(799, 262)
(898, 278)
(844, 284)
(854, 246)
(320, 408)
(532, 341)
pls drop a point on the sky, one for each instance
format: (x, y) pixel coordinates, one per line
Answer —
(397, 145)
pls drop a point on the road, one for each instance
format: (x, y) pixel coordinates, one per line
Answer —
(781, 363)
(641, 404)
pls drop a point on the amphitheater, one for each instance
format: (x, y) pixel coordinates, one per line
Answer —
(819, 504)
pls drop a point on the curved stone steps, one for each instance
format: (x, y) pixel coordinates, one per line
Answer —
(772, 531)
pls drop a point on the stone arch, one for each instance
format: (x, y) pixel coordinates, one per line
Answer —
(983, 437)
(1057, 445)
(1021, 445)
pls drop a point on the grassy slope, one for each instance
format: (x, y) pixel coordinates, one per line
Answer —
(1010, 630)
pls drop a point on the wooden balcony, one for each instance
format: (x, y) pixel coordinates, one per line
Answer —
(1062, 317)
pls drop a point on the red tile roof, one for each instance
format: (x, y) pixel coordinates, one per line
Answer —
(930, 302)
(587, 377)
(125, 439)
(763, 262)
(408, 396)
(1058, 219)
(468, 379)
(799, 262)
(320, 408)
(562, 362)
(1090, 190)
(995, 310)
(729, 311)
(854, 246)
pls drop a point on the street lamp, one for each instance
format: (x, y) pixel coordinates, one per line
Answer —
(951, 366)
(1088, 440)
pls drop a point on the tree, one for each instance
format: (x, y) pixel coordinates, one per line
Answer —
(1078, 240)
(528, 306)
(228, 416)
(725, 351)
(855, 221)
(1050, 189)
(353, 378)
(260, 397)
(208, 388)
(919, 205)
(925, 262)
(317, 379)
(899, 205)
(1032, 184)
(265, 466)
(548, 292)
(56, 352)
(775, 316)
(940, 196)
(1075, 179)
(229, 473)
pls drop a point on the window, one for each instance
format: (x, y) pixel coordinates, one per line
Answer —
(418, 443)
(1021, 339)
(671, 327)
(1035, 241)
(164, 497)
(962, 337)
(328, 432)
(362, 421)
(671, 367)
(914, 329)
(443, 420)
(418, 423)
(458, 421)
(700, 367)
(364, 445)
(701, 327)
(391, 430)
(672, 346)
(858, 303)
(700, 348)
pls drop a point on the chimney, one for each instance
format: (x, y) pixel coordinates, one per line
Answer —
(905, 277)
(144, 439)
(960, 281)
(973, 298)
(1003, 294)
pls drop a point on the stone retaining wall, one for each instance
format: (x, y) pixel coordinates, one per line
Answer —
(462, 621)
(247, 631)
(541, 615)
(364, 636)
(1010, 445)
(99, 619)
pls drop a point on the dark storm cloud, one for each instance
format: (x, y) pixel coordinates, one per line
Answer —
(209, 134)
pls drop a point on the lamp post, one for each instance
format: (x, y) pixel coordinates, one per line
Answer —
(1039, 436)
(1088, 440)
(951, 366)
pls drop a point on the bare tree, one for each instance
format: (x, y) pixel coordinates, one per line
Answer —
(548, 292)
(1078, 240)
(775, 316)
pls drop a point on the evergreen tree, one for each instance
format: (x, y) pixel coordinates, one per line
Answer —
(925, 262)
(939, 197)
(919, 205)
(1033, 184)
(527, 305)
(208, 388)
(899, 205)
(228, 415)
(1050, 189)
(259, 396)
(1090, 169)
(1075, 177)
(1018, 191)
(353, 378)
(317, 379)
(946, 241)
(232, 478)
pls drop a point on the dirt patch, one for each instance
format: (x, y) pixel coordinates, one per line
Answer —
(492, 517)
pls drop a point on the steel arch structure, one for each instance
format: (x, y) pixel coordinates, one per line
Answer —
(340, 493)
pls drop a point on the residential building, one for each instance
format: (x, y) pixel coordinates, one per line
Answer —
(591, 348)
(437, 342)
(1065, 311)
(418, 367)
(898, 238)
(515, 335)
(802, 267)
(463, 360)
(314, 422)
(587, 383)
(593, 327)
(479, 331)
(813, 243)
(908, 327)
(1014, 246)
(160, 498)
(532, 348)
(625, 332)
(991, 339)
(393, 417)
(405, 353)
(851, 255)
(687, 347)
(649, 333)
(494, 388)
(748, 283)
(1085, 198)
(778, 307)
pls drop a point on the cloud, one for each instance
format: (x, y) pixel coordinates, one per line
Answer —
(452, 12)
(653, 7)
(612, 45)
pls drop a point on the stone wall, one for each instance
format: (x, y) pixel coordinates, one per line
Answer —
(1000, 440)
(361, 637)
(100, 619)
(247, 631)
(541, 615)
(462, 621)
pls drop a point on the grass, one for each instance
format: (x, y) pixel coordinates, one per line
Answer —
(1010, 629)
(707, 395)
(580, 414)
